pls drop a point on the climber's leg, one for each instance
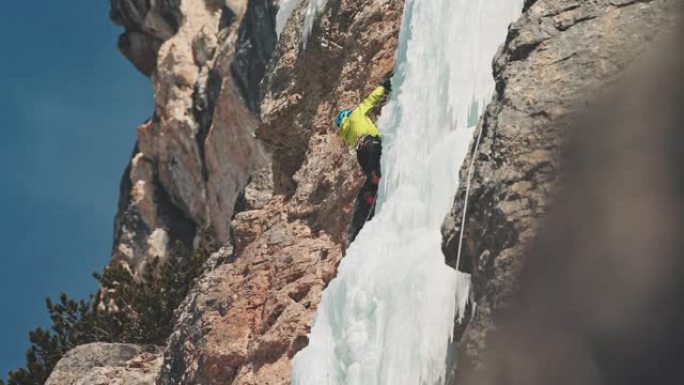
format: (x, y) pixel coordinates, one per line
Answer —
(368, 153)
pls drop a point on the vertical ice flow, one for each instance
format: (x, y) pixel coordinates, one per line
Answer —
(285, 9)
(388, 316)
(312, 10)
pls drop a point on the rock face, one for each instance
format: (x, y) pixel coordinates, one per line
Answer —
(101, 363)
(148, 25)
(557, 56)
(249, 315)
(600, 294)
(205, 60)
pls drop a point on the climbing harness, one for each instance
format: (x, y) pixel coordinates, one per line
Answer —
(467, 194)
(362, 142)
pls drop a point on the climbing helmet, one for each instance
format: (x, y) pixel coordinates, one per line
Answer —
(340, 117)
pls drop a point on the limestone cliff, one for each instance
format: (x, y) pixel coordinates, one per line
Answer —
(205, 60)
(557, 56)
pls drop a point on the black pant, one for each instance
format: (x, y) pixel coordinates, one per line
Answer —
(368, 153)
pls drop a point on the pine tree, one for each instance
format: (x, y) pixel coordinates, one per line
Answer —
(125, 309)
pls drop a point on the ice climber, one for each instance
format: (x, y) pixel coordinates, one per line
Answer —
(358, 130)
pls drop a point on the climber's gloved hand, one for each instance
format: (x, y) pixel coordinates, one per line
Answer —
(387, 84)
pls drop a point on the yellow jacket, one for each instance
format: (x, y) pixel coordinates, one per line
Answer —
(359, 124)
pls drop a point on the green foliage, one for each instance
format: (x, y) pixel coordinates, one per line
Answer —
(126, 309)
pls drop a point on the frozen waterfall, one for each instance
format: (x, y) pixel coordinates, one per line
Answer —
(388, 316)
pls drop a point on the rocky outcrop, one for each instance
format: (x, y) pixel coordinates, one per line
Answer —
(600, 294)
(102, 363)
(205, 60)
(557, 56)
(148, 25)
(249, 315)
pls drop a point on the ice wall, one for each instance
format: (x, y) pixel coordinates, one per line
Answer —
(388, 316)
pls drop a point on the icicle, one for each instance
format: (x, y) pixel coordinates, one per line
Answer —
(315, 6)
(288, 6)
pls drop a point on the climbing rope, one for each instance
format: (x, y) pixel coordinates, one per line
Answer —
(467, 194)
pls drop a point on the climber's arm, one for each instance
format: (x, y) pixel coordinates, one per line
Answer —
(372, 100)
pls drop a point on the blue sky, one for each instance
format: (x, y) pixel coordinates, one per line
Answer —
(69, 107)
